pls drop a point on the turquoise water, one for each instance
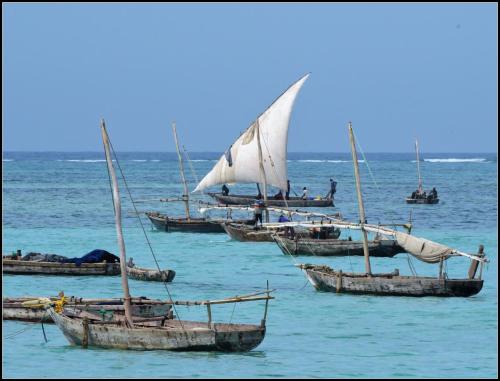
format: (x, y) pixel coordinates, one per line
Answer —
(61, 203)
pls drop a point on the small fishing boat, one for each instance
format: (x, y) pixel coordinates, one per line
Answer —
(336, 247)
(32, 308)
(419, 196)
(158, 333)
(193, 225)
(292, 202)
(324, 278)
(15, 265)
(188, 224)
(249, 233)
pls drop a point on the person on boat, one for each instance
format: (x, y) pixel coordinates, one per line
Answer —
(287, 194)
(434, 193)
(304, 194)
(278, 196)
(283, 218)
(258, 207)
(225, 190)
(333, 189)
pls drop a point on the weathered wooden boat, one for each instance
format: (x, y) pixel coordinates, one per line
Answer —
(15, 266)
(419, 196)
(33, 308)
(336, 247)
(324, 278)
(292, 202)
(248, 233)
(20, 267)
(159, 332)
(193, 225)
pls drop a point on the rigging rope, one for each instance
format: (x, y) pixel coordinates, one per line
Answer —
(144, 231)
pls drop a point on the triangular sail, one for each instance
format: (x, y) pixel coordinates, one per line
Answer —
(240, 163)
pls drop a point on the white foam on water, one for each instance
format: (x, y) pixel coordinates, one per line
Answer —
(456, 160)
(140, 161)
(7, 159)
(84, 160)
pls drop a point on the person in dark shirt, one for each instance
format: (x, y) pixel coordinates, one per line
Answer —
(287, 194)
(225, 190)
(333, 189)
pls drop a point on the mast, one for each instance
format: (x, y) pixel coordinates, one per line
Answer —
(360, 201)
(261, 169)
(118, 223)
(185, 196)
(420, 189)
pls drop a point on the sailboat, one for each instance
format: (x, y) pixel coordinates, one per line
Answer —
(324, 278)
(419, 196)
(259, 156)
(158, 332)
(188, 223)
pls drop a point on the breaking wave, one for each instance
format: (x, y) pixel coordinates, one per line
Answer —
(456, 160)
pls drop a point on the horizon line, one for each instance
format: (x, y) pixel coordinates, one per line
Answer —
(219, 152)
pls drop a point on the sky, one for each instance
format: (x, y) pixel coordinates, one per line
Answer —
(397, 71)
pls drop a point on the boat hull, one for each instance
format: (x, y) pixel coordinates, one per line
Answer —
(293, 202)
(19, 267)
(243, 234)
(328, 280)
(13, 308)
(410, 200)
(195, 225)
(14, 266)
(337, 247)
(190, 336)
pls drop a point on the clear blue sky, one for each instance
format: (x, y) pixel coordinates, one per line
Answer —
(398, 71)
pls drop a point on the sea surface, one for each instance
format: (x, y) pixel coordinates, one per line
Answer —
(60, 202)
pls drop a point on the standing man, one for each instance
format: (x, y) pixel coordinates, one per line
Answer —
(225, 190)
(287, 194)
(333, 189)
(258, 207)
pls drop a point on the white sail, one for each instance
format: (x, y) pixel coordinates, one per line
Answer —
(240, 163)
(421, 248)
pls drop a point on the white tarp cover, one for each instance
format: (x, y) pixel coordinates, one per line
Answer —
(240, 164)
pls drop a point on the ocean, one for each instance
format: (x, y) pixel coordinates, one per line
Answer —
(60, 202)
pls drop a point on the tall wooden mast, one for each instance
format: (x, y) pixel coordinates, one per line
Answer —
(185, 196)
(360, 201)
(262, 170)
(420, 188)
(118, 223)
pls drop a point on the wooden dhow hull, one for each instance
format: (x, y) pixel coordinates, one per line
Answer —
(293, 202)
(19, 267)
(326, 279)
(246, 233)
(14, 266)
(336, 247)
(172, 335)
(194, 225)
(17, 309)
